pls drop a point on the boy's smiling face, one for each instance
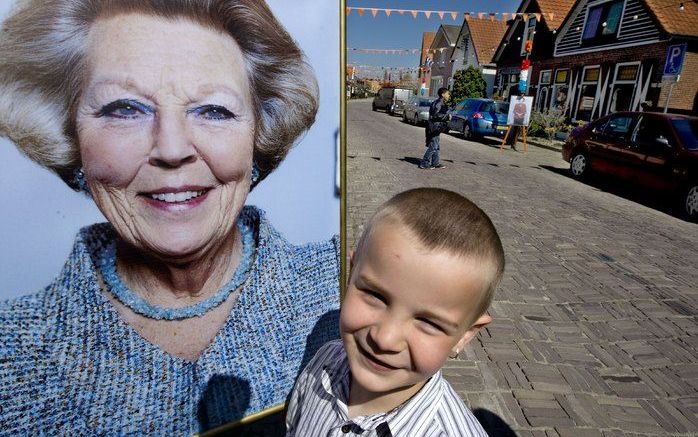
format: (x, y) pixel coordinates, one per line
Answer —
(407, 308)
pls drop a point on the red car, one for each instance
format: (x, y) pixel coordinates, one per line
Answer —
(651, 149)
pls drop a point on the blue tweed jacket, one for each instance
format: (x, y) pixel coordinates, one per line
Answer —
(70, 365)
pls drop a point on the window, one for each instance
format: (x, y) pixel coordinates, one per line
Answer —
(688, 132)
(603, 22)
(587, 95)
(618, 127)
(529, 32)
(544, 77)
(623, 87)
(649, 135)
(560, 89)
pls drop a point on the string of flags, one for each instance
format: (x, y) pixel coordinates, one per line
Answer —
(492, 16)
(396, 51)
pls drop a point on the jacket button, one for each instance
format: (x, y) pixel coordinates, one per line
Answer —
(346, 429)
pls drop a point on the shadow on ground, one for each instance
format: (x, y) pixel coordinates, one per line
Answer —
(655, 199)
(493, 424)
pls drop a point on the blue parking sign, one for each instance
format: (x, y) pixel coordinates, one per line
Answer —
(674, 59)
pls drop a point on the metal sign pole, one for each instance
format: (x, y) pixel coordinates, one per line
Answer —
(668, 97)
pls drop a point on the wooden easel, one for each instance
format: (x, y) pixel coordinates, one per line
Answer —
(524, 134)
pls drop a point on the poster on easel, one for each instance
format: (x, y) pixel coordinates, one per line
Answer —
(519, 110)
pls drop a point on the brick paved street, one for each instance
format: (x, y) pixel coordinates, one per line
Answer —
(594, 330)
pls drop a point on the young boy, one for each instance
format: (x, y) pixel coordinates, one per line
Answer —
(421, 280)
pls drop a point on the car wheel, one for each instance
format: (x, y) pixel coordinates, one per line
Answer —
(404, 117)
(415, 119)
(579, 165)
(690, 202)
(467, 133)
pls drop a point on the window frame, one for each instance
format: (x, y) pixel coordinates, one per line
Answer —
(528, 27)
(599, 38)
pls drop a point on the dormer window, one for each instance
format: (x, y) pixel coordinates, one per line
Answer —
(529, 32)
(602, 22)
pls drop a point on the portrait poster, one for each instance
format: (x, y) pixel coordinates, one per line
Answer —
(519, 110)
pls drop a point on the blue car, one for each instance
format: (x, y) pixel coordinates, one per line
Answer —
(476, 118)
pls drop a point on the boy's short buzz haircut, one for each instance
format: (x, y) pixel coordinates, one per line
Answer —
(445, 220)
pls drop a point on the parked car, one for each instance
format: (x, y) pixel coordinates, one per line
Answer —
(479, 117)
(416, 110)
(651, 149)
(391, 100)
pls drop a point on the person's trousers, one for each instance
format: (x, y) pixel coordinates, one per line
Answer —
(431, 156)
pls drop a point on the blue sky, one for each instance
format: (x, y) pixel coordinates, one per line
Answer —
(403, 31)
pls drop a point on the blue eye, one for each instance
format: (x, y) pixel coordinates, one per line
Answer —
(124, 109)
(212, 112)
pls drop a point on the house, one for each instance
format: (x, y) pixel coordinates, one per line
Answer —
(535, 20)
(609, 56)
(425, 62)
(603, 56)
(441, 49)
(476, 44)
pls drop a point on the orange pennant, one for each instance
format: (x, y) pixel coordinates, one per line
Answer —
(480, 15)
(537, 17)
(454, 15)
(374, 12)
(401, 11)
(441, 15)
(414, 13)
(505, 15)
(491, 16)
(361, 12)
(348, 11)
(466, 15)
(387, 12)
(427, 14)
(525, 17)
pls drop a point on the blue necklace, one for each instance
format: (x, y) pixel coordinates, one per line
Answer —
(107, 266)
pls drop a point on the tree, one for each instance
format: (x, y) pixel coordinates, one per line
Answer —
(468, 83)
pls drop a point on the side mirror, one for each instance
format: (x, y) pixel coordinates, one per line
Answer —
(594, 131)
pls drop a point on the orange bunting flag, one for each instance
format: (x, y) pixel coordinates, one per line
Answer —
(441, 15)
(505, 15)
(427, 14)
(466, 15)
(454, 15)
(491, 16)
(480, 15)
(387, 12)
(537, 17)
(401, 11)
(414, 13)
(348, 11)
(525, 17)
(361, 12)
(374, 12)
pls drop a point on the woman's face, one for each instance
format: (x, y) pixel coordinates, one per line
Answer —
(166, 129)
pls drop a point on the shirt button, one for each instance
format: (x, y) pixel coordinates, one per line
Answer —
(346, 429)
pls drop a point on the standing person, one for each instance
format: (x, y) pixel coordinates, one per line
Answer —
(438, 117)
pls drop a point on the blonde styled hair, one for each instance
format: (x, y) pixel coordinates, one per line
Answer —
(443, 220)
(43, 68)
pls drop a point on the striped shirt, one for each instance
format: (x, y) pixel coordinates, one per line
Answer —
(318, 406)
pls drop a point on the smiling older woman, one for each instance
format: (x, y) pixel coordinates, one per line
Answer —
(186, 310)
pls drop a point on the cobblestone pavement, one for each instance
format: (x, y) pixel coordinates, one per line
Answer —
(594, 330)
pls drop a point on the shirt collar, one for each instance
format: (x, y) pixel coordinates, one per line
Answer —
(419, 409)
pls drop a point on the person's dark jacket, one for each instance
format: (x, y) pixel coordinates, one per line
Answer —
(438, 117)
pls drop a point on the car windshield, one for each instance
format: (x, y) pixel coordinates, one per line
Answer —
(425, 102)
(688, 132)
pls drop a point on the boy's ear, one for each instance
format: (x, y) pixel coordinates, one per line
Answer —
(480, 323)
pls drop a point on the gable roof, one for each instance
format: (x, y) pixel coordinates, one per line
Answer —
(559, 9)
(485, 35)
(451, 32)
(673, 20)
